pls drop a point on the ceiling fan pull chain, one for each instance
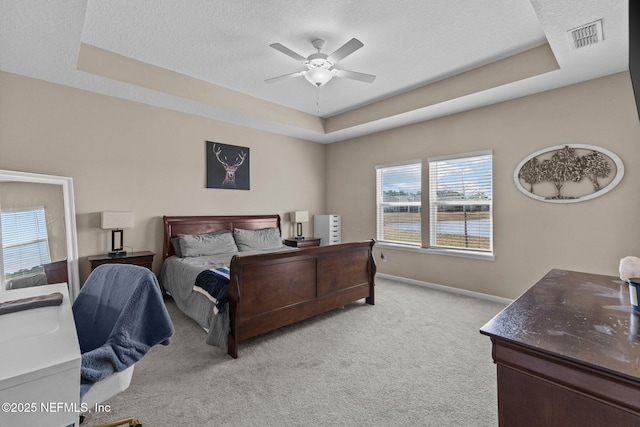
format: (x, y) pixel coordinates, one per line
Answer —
(318, 99)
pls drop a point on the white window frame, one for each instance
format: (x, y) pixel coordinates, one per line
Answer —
(434, 203)
(380, 204)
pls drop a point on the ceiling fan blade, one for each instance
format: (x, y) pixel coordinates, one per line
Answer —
(361, 77)
(345, 50)
(285, 77)
(288, 52)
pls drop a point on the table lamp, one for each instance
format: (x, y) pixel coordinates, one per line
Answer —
(299, 217)
(116, 222)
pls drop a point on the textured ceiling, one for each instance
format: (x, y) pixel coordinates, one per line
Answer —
(408, 44)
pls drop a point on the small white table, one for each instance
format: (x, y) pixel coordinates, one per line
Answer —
(39, 362)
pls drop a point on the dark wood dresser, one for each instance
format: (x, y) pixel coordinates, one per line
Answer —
(567, 353)
(143, 259)
(56, 272)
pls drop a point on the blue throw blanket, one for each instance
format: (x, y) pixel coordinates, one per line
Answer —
(214, 284)
(119, 316)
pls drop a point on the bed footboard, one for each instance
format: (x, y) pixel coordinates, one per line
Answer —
(273, 290)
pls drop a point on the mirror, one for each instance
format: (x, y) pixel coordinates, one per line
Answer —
(37, 231)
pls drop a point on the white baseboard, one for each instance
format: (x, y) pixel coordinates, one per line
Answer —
(465, 292)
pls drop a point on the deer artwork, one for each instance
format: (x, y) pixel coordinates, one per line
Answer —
(230, 176)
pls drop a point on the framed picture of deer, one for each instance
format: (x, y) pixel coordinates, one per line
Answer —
(227, 166)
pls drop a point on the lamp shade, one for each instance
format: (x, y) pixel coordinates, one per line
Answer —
(117, 220)
(301, 216)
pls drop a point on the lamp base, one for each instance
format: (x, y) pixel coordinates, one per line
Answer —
(299, 237)
(117, 250)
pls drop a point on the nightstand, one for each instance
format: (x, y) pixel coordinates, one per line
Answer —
(143, 259)
(307, 242)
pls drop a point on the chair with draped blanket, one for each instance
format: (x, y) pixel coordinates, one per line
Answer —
(119, 315)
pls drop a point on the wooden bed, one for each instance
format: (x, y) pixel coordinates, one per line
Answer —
(268, 291)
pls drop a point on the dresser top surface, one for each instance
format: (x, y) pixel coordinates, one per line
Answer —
(127, 255)
(581, 316)
(39, 341)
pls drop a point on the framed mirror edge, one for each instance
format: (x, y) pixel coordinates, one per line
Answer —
(70, 219)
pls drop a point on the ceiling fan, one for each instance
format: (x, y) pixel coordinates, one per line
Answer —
(320, 66)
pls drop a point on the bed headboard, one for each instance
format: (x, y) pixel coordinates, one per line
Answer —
(174, 225)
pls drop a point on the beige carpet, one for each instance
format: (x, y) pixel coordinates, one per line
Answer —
(416, 358)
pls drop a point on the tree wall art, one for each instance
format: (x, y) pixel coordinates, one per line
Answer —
(568, 173)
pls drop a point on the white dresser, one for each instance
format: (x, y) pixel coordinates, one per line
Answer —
(328, 228)
(40, 362)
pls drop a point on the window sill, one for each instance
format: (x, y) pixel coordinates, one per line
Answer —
(439, 251)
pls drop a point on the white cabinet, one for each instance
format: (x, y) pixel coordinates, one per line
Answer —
(40, 369)
(327, 228)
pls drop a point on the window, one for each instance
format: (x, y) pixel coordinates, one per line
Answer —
(460, 202)
(398, 201)
(25, 246)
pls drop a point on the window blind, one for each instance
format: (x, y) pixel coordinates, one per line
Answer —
(399, 205)
(460, 202)
(24, 239)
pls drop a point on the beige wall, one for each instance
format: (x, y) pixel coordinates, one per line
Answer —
(129, 156)
(530, 237)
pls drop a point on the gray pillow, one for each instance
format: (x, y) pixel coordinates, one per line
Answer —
(264, 238)
(175, 243)
(214, 243)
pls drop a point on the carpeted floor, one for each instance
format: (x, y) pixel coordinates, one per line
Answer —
(416, 358)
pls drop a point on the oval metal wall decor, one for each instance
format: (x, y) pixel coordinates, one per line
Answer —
(568, 173)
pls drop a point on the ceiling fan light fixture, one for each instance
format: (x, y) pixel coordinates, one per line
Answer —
(318, 76)
(320, 66)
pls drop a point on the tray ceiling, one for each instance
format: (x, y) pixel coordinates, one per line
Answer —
(431, 58)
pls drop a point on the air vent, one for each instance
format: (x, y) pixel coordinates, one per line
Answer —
(586, 35)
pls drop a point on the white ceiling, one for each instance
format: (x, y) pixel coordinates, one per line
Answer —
(407, 44)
